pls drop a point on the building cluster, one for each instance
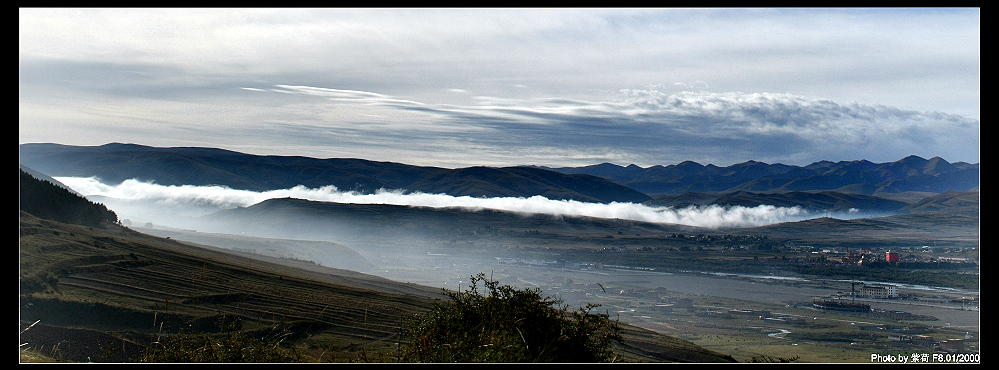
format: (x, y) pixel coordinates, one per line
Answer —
(891, 256)
(862, 256)
(859, 257)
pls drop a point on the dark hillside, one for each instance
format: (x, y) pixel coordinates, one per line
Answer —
(47, 200)
(525, 181)
(44, 177)
(114, 163)
(290, 217)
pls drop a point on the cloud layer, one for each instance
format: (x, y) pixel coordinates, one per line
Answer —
(461, 87)
(649, 127)
(199, 200)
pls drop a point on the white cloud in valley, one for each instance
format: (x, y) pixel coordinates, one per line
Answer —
(140, 200)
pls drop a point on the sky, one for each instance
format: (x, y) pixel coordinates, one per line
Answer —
(508, 86)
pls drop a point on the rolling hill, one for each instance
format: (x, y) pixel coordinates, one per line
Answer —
(392, 225)
(822, 201)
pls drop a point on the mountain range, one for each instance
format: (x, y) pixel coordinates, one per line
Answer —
(909, 174)
(824, 185)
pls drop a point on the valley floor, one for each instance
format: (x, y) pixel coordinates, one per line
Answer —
(710, 310)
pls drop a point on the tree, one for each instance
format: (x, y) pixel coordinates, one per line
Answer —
(507, 325)
(44, 199)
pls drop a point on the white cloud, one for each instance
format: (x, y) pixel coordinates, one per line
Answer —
(780, 127)
(225, 198)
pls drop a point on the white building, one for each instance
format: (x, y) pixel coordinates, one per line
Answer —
(879, 291)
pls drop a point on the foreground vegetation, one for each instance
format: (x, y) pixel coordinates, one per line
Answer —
(508, 325)
(505, 325)
(231, 346)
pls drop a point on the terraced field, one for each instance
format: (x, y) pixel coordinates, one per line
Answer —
(73, 276)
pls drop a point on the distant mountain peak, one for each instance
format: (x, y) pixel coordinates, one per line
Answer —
(605, 165)
(913, 159)
(689, 164)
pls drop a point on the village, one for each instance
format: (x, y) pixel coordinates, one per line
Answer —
(897, 329)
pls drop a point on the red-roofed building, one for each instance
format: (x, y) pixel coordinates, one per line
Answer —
(891, 256)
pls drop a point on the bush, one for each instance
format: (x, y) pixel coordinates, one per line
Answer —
(231, 346)
(768, 359)
(507, 325)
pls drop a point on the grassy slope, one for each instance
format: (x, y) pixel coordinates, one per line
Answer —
(117, 280)
(101, 294)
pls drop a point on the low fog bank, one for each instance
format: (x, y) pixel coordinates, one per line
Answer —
(322, 253)
(176, 206)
